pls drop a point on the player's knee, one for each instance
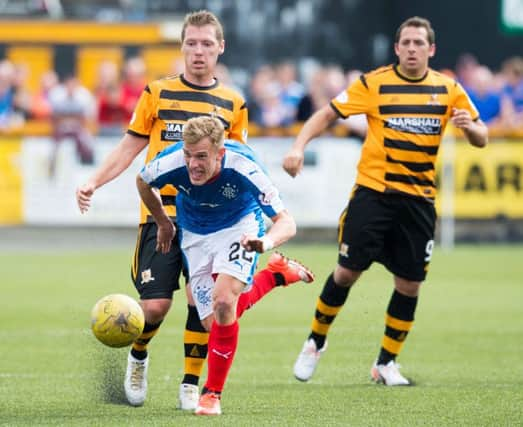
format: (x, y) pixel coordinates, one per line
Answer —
(155, 309)
(406, 287)
(345, 277)
(223, 309)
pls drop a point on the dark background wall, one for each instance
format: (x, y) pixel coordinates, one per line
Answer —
(360, 33)
(352, 33)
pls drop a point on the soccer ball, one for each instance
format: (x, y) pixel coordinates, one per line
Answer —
(117, 320)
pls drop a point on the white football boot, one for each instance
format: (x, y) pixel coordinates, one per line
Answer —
(307, 360)
(135, 383)
(188, 397)
(388, 374)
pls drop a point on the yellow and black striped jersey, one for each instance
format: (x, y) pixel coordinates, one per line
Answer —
(165, 106)
(406, 119)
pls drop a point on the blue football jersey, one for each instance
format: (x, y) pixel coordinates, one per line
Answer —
(242, 187)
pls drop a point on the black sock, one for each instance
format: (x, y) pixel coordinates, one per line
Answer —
(329, 304)
(139, 348)
(398, 323)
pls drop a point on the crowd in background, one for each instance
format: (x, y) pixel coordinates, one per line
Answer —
(280, 97)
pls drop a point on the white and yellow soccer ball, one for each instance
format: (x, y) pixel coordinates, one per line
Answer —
(117, 320)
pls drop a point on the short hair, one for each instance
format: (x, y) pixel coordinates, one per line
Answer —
(201, 18)
(200, 127)
(417, 22)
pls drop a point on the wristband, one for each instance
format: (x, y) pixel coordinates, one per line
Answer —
(267, 243)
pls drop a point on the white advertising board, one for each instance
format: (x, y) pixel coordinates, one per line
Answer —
(316, 197)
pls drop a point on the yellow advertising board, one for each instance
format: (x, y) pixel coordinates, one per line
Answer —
(10, 181)
(488, 182)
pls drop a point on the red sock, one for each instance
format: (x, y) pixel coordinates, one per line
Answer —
(263, 282)
(223, 341)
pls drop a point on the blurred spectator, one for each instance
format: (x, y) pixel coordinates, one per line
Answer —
(484, 96)
(315, 97)
(336, 80)
(262, 80)
(133, 83)
(277, 100)
(22, 98)
(223, 75)
(325, 83)
(510, 120)
(112, 112)
(73, 110)
(40, 104)
(8, 118)
(112, 115)
(272, 111)
(107, 76)
(465, 67)
(290, 91)
(513, 90)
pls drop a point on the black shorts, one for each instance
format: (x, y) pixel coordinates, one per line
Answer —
(394, 229)
(156, 275)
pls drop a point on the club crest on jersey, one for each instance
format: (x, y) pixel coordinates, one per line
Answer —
(172, 132)
(147, 276)
(433, 100)
(344, 250)
(202, 295)
(216, 113)
(229, 191)
(416, 125)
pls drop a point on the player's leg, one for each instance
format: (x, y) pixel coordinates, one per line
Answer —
(399, 320)
(329, 303)
(195, 339)
(280, 271)
(407, 256)
(233, 267)
(155, 277)
(223, 342)
(360, 238)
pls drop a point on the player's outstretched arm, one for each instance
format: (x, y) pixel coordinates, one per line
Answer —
(115, 163)
(283, 229)
(315, 125)
(151, 199)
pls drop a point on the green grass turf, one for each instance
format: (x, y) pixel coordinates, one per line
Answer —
(464, 353)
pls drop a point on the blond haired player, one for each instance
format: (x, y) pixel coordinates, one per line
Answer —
(223, 191)
(158, 121)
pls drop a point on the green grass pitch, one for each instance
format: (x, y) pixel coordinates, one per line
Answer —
(465, 352)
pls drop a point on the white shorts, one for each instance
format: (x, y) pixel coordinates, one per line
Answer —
(208, 255)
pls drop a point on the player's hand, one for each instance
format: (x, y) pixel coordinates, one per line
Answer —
(83, 196)
(165, 236)
(293, 161)
(461, 118)
(256, 244)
